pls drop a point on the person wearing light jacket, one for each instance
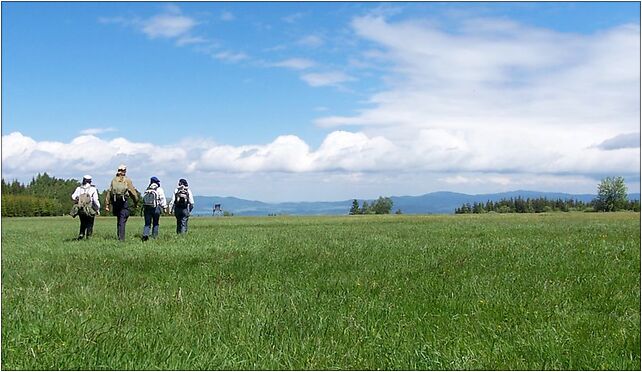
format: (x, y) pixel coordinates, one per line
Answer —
(152, 208)
(120, 191)
(181, 205)
(87, 219)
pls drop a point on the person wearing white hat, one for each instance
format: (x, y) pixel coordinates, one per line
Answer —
(88, 206)
(121, 189)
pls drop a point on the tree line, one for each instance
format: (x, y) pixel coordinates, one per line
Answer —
(43, 196)
(383, 205)
(611, 197)
(538, 205)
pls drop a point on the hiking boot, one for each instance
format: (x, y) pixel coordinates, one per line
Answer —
(80, 237)
(145, 238)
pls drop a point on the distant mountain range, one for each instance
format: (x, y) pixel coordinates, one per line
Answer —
(432, 203)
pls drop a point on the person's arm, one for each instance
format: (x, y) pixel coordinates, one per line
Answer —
(132, 191)
(191, 196)
(96, 200)
(76, 194)
(161, 196)
(191, 199)
(108, 198)
(172, 201)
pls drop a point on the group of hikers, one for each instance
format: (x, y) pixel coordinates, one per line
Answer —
(119, 199)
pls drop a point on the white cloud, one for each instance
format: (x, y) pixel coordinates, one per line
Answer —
(478, 180)
(189, 40)
(295, 63)
(174, 25)
(171, 24)
(331, 78)
(292, 18)
(22, 156)
(286, 153)
(167, 25)
(340, 150)
(312, 41)
(354, 163)
(230, 56)
(95, 131)
(114, 20)
(227, 16)
(500, 96)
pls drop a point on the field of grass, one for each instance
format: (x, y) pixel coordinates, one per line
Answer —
(550, 291)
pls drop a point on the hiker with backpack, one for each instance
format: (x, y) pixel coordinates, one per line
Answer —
(181, 205)
(153, 203)
(120, 191)
(86, 207)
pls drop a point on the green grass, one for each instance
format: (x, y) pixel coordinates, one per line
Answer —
(550, 291)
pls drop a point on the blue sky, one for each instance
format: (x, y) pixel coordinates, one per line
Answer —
(324, 101)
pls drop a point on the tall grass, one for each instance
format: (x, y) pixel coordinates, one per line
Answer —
(550, 291)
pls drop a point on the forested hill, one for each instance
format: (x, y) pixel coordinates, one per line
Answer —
(43, 196)
(436, 202)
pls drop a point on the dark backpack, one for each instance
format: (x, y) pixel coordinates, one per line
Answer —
(181, 198)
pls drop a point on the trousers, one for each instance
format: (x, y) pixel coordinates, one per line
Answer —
(86, 226)
(121, 211)
(182, 216)
(152, 217)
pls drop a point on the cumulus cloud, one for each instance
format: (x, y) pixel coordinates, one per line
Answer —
(340, 150)
(22, 156)
(500, 96)
(355, 159)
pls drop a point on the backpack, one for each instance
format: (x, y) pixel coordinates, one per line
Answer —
(85, 205)
(119, 188)
(150, 198)
(181, 198)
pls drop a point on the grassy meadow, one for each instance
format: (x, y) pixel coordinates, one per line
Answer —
(544, 292)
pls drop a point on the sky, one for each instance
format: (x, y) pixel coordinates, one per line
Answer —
(308, 101)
